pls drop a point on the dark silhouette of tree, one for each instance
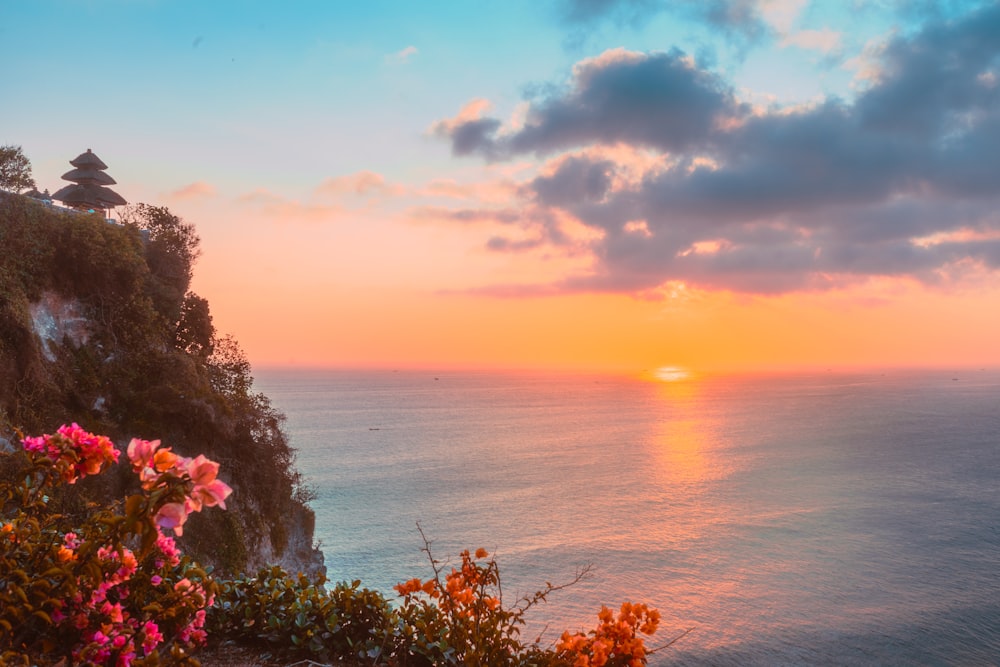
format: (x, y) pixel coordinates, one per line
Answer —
(171, 250)
(15, 170)
(195, 333)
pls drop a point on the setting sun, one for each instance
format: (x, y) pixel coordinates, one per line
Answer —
(671, 374)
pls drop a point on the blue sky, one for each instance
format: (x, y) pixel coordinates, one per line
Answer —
(694, 157)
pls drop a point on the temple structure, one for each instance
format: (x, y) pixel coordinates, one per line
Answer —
(88, 191)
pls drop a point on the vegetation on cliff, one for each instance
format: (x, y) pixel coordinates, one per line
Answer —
(98, 327)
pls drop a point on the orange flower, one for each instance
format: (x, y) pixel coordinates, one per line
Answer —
(482, 553)
(408, 587)
(164, 459)
(66, 554)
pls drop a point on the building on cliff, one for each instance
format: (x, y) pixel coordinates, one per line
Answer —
(88, 190)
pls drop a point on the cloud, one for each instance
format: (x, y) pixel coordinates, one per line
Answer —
(659, 100)
(467, 216)
(287, 210)
(402, 57)
(493, 191)
(902, 181)
(741, 21)
(196, 190)
(824, 40)
(360, 183)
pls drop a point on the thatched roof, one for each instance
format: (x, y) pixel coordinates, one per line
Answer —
(88, 180)
(80, 195)
(88, 159)
(88, 175)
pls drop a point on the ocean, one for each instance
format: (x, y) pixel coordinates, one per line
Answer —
(828, 518)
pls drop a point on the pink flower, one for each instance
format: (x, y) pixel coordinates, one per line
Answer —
(151, 637)
(201, 470)
(75, 452)
(169, 549)
(172, 515)
(34, 444)
(214, 493)
(140, 452)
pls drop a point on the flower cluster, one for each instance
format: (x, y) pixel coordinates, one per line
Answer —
(78, 590)
(614, 642)
(159, 466)
(112, 631)
(464, 592)
(74, 452)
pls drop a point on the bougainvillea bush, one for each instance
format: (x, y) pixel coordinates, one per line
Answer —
(456, 617)
(112, 589)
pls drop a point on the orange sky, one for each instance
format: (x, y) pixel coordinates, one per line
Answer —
(297, 293)
(591, 185)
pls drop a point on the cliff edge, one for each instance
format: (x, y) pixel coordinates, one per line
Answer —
(97, 326)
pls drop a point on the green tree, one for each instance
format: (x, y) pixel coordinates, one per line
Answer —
(195, 333)
(15, 170)
(171, 250)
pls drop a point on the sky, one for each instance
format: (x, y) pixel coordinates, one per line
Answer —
(572, 184)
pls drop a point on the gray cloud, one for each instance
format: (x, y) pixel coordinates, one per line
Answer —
(784, 200)
(738, 20)
(657, 100)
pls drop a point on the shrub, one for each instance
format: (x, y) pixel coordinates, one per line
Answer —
(453, 618)
(113, 589)
(298, 616)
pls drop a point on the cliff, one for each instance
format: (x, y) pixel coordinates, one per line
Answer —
(97, 326)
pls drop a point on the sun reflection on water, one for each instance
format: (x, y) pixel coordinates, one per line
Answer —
(684, 447)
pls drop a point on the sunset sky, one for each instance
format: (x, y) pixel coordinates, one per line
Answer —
(591, 184)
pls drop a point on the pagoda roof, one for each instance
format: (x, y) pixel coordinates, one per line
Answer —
(88, 159)
(89, 175)
(89, 195)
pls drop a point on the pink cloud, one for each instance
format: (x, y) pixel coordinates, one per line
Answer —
(402, 57)
(824, 40)
(360, 183)
(275, 206)
(196, 190)
(485, 191)
(472, 111)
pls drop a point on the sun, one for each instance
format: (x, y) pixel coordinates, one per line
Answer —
(671, 374)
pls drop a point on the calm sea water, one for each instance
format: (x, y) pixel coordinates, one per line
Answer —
(831, 518)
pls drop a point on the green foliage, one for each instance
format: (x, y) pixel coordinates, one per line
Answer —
(293, 615)
(171, 249)
(195, 333)
(453, 618)
(15, 169)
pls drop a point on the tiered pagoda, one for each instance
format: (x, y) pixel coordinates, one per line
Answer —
(88, 191)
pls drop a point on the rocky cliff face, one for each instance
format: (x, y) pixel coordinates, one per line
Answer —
(97, 327)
